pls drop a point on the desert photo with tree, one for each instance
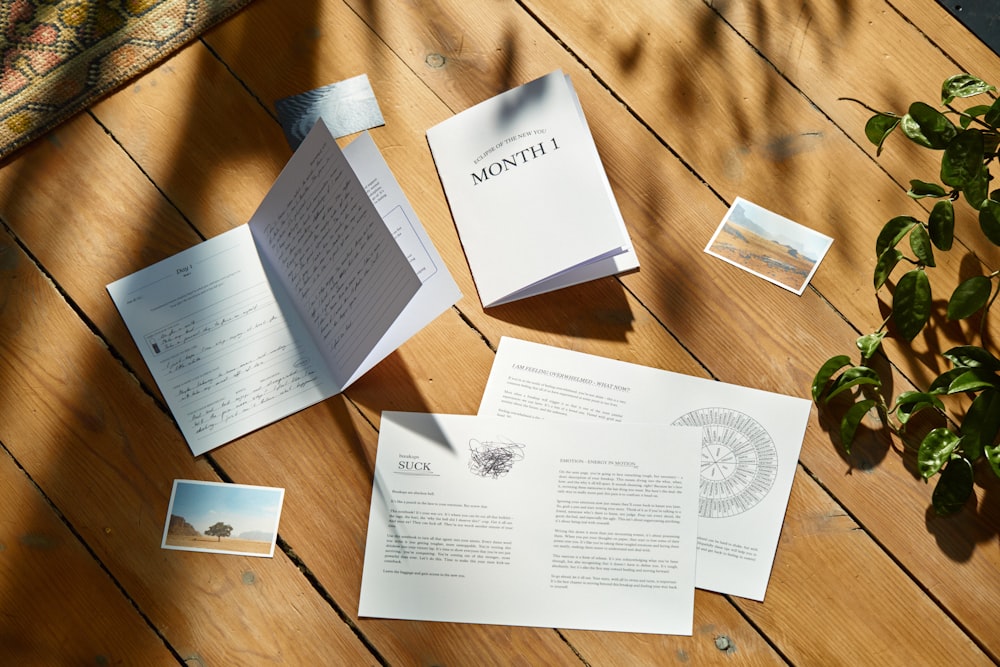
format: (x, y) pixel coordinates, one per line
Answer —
(226, 518)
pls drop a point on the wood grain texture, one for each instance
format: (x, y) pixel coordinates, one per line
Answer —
(42, 560)
(905, 528)
(106, 454)
(691, 104)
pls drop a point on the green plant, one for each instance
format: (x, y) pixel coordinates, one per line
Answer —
(968, 141)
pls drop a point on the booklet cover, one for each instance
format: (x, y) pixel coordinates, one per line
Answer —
(750, 443)
(528, 193)
(530, 522)
(289, 309)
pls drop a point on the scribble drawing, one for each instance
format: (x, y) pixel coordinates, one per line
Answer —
(492, 458)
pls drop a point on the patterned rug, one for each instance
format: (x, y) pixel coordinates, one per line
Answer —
(59, 56)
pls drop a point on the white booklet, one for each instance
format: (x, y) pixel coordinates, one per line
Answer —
(750, 443)
(331, 274)
(531, 522)
(528, 193)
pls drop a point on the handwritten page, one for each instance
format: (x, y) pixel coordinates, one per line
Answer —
(750, 443)
(530, 522)
(226, 351)
(241, 331)
(339, 262)
(438, 290)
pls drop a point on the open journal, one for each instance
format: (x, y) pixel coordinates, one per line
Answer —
(530, 198)
(331, 274)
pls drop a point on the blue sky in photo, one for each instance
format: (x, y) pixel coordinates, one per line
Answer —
(245, 508)
(777, 228)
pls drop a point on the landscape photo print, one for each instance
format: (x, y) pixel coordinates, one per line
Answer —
(223, 518)
(768, 245)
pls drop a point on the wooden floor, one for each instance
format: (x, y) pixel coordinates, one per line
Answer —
(692, 103)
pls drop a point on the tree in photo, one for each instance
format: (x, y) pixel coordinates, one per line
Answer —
(219, 530)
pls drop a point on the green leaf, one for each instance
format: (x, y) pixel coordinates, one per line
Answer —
(879, 127)
(972, 356)
(991, 141)
(849, 424)
(992, 453)
(942, 382)
(978, 189)
(941, 225)
(981, 423)
(853, 377)
(977, 110)
(954, 488)
(911, 396)
(920, 244)
(919, 189)
(935, 450)
(911, 303)
(870, 343)
(973, 112)
(963, 158)
(970, 296)
(992, 115)
(910, 403)
(826, 371)
(887, 261)
(974, 379)
(893, 232)
(989, 220)
(927, 126)
(962, 85)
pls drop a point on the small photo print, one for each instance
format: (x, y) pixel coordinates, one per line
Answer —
(769, 246)
(223, 518)
(346, 107)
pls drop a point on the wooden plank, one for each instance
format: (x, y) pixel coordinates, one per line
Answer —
(204, 164)
(50, 587)
(214, 155)
(720, 637)
(803, 345)
(879, 55)
(769, 145)
(323, 522)
(106, 456)
(320, 537)
(821, 538)
(79, 165)
(953, 38)
(809, 333)
(396, 31)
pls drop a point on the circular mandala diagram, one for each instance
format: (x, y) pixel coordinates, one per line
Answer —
(739, 461)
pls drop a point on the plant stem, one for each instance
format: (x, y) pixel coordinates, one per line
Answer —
(873, 110)
(972, 119)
